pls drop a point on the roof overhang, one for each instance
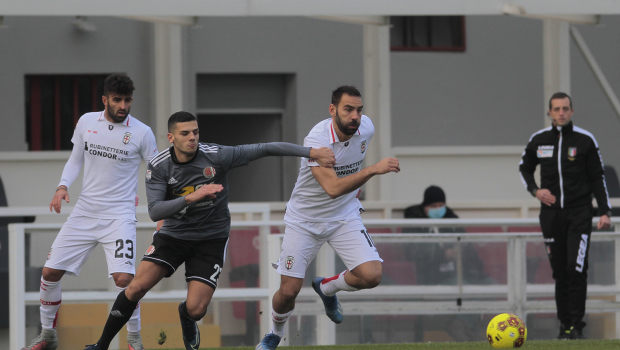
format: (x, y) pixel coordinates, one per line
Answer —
(206, 8)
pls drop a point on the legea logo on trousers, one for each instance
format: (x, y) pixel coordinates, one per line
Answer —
(581, 255)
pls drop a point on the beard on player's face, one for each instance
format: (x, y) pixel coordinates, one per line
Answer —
(349, 128)
(113, 113)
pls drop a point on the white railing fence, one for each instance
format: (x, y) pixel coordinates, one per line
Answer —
(256, 213)
(515, 295)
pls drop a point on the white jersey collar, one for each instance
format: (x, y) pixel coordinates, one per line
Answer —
(125, 122)
(333, 137)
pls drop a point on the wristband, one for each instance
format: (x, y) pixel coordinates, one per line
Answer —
(62, 188)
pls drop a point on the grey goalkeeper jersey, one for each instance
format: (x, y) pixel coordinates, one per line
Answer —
(168, 181)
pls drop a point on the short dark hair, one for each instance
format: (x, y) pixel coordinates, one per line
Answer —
(118, 84)
(344, 89)
(560, 95)
(179, 117)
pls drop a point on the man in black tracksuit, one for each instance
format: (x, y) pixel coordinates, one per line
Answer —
(571, 171)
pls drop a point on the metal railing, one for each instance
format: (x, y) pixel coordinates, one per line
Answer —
(513, 296)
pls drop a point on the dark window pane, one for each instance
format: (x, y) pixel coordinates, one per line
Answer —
(419, 27)
(427, 33)
(397, 34)
(441, 33)
(74, 94)
(28, 113)
(66, 112)
(47, 113)
(99, 93)
(85, 92)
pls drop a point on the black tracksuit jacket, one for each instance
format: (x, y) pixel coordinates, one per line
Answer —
(577, 174)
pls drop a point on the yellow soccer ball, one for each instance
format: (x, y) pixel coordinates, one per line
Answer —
(506, 331)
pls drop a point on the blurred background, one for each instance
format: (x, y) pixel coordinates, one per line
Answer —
(454, 91)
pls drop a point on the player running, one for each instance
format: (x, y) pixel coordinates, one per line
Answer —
(187, 186)
(111, 144)
(324, 207)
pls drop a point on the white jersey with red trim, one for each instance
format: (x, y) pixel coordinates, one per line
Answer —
(309, 201)
(112, 156)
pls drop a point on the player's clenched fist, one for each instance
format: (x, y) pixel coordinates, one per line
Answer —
(61, 193)
(324, 156)
(204, 192)
(387, 165)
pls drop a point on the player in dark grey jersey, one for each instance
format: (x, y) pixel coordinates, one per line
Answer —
(187, 187)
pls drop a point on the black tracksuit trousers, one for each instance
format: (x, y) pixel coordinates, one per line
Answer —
(567, 239)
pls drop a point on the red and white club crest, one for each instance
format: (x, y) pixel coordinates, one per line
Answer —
(126, 137)
(150, 251)
(209, 172)
(363, 146)
(289, 262)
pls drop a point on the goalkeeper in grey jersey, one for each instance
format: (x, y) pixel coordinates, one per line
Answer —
(187, 188)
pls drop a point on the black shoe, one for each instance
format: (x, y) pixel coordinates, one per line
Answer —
(191, 333)
(564, 333)
(92, 347)
(576, 332)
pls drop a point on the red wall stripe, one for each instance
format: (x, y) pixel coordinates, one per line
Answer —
(57, 114)
(94, 89)
(76, 106)
(35, 114)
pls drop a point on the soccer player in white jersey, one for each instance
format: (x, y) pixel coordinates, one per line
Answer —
(324, 207)
(111, 145)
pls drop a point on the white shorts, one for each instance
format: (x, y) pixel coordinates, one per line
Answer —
(302, 241)
(79, 236)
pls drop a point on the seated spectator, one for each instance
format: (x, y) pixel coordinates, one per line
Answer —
(433, 206)
(436, 262)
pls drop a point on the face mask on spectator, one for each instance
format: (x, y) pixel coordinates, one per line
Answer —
(437, 213)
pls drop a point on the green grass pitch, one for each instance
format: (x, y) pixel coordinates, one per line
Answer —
(540, 344)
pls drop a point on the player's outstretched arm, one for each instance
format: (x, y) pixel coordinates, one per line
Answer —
(336, 187)
(236, 156)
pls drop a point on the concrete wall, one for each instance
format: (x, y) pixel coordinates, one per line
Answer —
(52, 45)
(489, 96)
(321, 54)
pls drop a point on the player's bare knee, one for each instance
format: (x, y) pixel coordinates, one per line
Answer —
(52, 275)
(122, 280)
(197, 312)
(135, 291)
(372, 279)
(288, 292)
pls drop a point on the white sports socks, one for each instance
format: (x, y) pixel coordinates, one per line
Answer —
(50, 297)
(133, 325)
(278, 322)
(330, 286)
